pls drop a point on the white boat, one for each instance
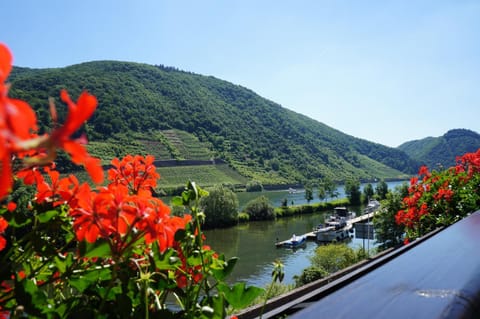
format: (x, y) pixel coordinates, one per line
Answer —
(336, 227)
(372, 206)
(294, 242)
(294, 191)
(342, 211)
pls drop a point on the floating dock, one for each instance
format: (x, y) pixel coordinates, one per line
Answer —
(361, 218)
(313, 236)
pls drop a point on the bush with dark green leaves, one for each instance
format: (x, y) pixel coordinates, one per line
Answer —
(254, 186)
(220, 207)
(327, 260)
(352, 190)
(308, 275)
(387, 232)
(260, 208)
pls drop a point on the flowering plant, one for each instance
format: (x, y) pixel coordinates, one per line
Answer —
(68, 249)
(440, 198)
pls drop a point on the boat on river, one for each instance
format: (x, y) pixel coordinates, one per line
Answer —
(294, 191)
(293, 242)
(372, 206)
(336, 226)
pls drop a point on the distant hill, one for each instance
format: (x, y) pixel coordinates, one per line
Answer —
(180, 115)
(442, 151)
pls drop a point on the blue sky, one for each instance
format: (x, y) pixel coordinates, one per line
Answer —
(386, 71)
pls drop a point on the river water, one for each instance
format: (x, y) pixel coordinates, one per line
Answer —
(298, 197)
(254, 244)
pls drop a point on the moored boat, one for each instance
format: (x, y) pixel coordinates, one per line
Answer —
(372, 206)
(336, 227)
(293, 242)
(333, 230)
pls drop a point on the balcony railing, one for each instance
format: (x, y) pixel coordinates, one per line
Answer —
(436, 276)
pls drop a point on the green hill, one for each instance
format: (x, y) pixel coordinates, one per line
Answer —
(442, 151)
(179, 115)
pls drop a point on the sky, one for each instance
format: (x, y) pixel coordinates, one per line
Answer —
(388, 71)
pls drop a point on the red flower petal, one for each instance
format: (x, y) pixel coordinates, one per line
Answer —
(5, 62)
(92, 233)
(11, 206)
(21, 117)
(6, 178)
(77, 113)
(3, 224)
(3, 243)
(94, 169)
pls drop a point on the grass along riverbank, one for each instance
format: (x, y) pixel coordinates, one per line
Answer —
(287, 211)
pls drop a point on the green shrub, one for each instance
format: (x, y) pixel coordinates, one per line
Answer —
(220, 207)
(254, 186)
(243, 217)
(260, 208)
(309, 274)
(334, 257)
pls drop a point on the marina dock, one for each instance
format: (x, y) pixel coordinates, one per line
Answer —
(313, 236)
(361, 218)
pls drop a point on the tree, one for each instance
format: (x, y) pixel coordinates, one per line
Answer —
(327, 260)
(327, 188)
(381, 189)
(220, 207)
(308, 275)
(254, 186)
(333, 257)
(322, 193)
(308, 192)
(352, 190)
(367, 192)
(330, 187)
(260, 208)
(387, 231)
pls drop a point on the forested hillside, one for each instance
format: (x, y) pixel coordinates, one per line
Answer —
(181, 115)
(442, 151)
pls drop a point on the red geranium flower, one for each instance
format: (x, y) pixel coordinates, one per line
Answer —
(78, 113)
(3, 226)
(17, 122)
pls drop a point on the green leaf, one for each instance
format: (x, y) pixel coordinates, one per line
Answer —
(38, 296)
(17, 219)
(64, 262)
(240, 296)
(193, 187)
(60, 263)
(177, 201)
(78, 283)
(100, 248)
(221, 274)
(89, 277)
(166, 261)
(194, 260)
(47, 216)
(218, 304)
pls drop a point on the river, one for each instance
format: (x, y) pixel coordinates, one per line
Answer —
(254, 242)
(298, 197)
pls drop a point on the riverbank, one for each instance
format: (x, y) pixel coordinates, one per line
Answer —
(304, 209)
